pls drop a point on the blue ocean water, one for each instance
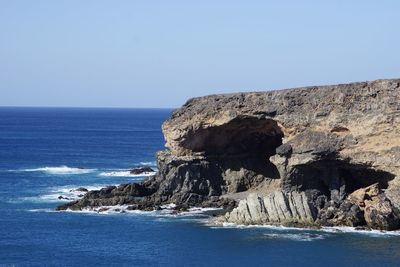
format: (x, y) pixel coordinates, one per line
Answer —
(46, 152)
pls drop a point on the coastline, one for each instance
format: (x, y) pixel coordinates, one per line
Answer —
(320, 156)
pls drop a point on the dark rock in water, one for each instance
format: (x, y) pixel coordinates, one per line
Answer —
(362, 228)
(307, 156)
(110, 196)
(141, 170)
(80, 189)
(62, 197)
(102, 209)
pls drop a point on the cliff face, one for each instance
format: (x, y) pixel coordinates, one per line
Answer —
(290, 156)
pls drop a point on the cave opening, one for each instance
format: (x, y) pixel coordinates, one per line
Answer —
(335, 178)
(242, 136)
(240, 149)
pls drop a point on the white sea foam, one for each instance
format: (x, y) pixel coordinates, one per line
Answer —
(42, 210)
(60, 170)
(167, 211)
(168, 206)
(57, 194)
(295, 236)
(266, 226)
(113, 210)
(105, 210)
(330, 230)
(345, 229)
(125, 173)
(148, 163)
(195, 211)
(69, 192)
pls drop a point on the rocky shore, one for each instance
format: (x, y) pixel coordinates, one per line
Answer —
(315, 156)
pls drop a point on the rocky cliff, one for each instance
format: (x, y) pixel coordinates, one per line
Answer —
(326, 155)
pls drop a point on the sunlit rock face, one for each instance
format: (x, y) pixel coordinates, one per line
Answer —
(319, 144)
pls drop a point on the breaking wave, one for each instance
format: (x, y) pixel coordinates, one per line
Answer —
(166, 211)
(295, 236)
(60, 170)
(60, 194)
(372, 232)
(148, 163)
(326, 230)
(68, 193)
(125, 173)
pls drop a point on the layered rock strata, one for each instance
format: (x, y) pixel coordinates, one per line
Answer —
(299, 156)
(275, 208)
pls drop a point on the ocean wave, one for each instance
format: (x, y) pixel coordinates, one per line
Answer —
(68, 193)
(125, 173)
(295, 236)
(194, 211)
(148, 163)
(266, 226)
(59, 194)
(167, 211)
(59, 170)
(328, 230)
(372, 232)
(42, 210)
(110, 210)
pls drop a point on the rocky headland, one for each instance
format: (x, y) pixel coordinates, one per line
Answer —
(315, 156)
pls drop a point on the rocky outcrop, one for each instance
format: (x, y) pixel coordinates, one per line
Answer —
(262, 152)
(378, 210)
(292, 208)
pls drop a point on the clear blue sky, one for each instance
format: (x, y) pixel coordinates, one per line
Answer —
(159, 53)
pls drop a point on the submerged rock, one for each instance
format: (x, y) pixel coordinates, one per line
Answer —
(141, 170)
(80, 189)
(307, 155)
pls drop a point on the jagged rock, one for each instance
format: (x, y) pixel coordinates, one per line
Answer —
(109, 196)
(378, 210)
(345, 213)
(359, 196)
(379, 213)
(322, 142)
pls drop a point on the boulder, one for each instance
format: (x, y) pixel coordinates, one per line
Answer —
(380, 214)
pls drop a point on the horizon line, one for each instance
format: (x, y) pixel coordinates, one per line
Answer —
(88, 107)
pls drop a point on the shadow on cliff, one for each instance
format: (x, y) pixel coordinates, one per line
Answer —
(338, 176)
(241, 149)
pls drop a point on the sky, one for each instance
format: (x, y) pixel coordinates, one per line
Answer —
(151, 53)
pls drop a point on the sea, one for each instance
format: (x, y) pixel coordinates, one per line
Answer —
(47, 153)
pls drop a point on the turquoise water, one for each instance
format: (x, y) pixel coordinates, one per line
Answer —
(46, 152)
